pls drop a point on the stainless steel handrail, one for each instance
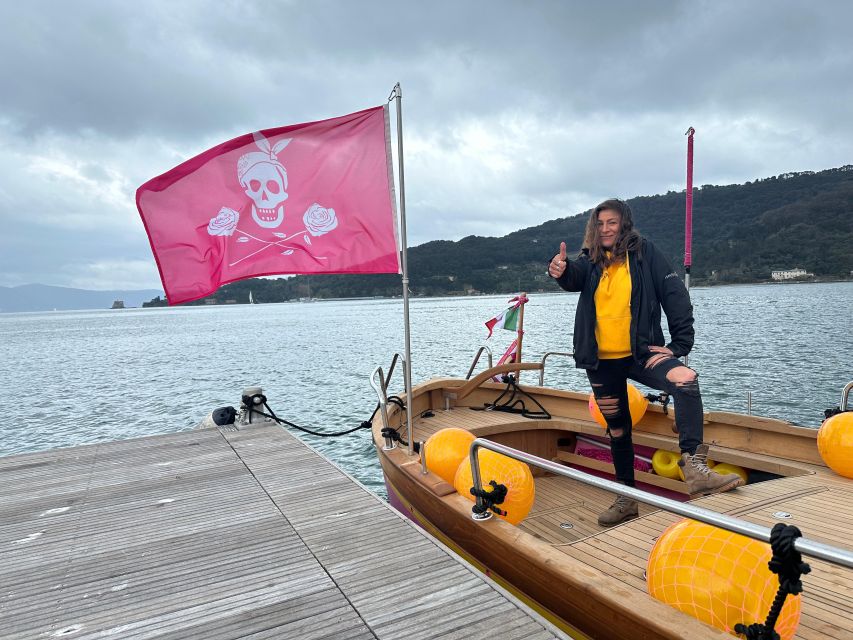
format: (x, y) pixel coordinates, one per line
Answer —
(542, 362)
(844, 394)
(382, 392)
(394, 360)
(383, 403)
(808, 547)
(477, 359)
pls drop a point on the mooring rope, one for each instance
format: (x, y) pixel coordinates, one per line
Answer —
(788, 564)
(259, 399)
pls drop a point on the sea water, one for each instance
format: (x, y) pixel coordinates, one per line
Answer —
(68, 378)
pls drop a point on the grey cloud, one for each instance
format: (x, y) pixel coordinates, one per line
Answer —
(514, 112)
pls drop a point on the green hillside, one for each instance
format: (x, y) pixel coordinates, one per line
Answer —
(740, 234)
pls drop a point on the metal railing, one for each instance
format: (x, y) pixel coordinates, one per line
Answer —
(477, 359)
(808, 547)
(383, 402)
(394, 359)
(844, 394)
(544, 358)
(382, 393)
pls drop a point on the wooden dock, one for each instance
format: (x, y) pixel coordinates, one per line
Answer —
(220, 534)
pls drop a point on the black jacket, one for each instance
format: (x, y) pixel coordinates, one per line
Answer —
(654, 284)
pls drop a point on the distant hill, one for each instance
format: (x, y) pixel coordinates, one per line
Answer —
(41, 297)
(741, 233)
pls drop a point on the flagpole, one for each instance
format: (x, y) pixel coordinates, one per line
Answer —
(688, 214)
(522, 296)
(407, 369)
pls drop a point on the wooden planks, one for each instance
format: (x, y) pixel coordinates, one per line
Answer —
(827, 603)
(819, 501)
(566, 511)
(220, 535)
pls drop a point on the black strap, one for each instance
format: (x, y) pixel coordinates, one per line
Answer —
(828, 413)
(515, 402)
(788, 564)
(662, 397)
(490, 498)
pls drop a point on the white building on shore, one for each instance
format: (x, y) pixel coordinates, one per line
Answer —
(790, 274)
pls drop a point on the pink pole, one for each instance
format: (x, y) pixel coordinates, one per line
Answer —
(688, 214)
(688, 219)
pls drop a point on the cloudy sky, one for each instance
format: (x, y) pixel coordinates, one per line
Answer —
(515, 113)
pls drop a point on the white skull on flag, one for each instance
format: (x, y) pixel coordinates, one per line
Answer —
(264, 180)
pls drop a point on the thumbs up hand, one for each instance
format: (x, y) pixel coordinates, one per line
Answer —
(558, 263)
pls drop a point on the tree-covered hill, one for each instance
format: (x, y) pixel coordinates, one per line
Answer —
(740, 234)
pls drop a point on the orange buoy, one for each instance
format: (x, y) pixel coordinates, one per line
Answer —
(718, 577)
(637, 405)
(445, 449)
(513, 474)
(835, 443)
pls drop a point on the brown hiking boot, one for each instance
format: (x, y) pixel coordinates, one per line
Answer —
(700, 479)
(620, 511)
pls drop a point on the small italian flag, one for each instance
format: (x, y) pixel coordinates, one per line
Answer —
(507, 320)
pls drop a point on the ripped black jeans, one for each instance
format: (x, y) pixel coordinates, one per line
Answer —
(610, 381)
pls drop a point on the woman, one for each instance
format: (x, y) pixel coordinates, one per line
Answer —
(623, 282)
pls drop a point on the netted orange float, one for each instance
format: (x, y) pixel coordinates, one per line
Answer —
(513, 474)
(637, 405)
(835, 443)
(719, 577)
(445, 449)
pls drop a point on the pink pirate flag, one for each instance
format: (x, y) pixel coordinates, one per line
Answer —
(305, 198)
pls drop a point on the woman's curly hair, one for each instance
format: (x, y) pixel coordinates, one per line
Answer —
(627, 240)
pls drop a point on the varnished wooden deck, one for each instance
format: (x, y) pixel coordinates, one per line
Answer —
(821, 505)
(225, 534)
(623, 551)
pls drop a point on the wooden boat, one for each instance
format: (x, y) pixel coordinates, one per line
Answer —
(588, 579)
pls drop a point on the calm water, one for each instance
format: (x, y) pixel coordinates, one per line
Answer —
(77, 377)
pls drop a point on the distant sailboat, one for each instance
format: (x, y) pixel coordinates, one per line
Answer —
(251, 299)
(308, 298)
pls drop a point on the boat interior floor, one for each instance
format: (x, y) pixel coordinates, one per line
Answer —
(565, 515)
(823, 512)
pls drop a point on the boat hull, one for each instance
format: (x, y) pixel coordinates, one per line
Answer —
(401, 504)
(585, 578)
(574, 596)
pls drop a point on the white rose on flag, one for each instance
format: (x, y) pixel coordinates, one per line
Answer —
(224, 223)
(319, 220)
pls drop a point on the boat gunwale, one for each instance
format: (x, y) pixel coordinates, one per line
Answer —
(441, 388)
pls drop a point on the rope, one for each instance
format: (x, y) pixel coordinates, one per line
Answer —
(516, 399)
(788, 564)
(828, 413)
(249, 402)
(490, 498)
(394, 435)
(662, 397)
(387, 432)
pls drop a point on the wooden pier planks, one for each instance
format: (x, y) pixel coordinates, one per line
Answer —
(223, 534)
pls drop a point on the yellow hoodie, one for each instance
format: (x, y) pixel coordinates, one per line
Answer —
(613, 312)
